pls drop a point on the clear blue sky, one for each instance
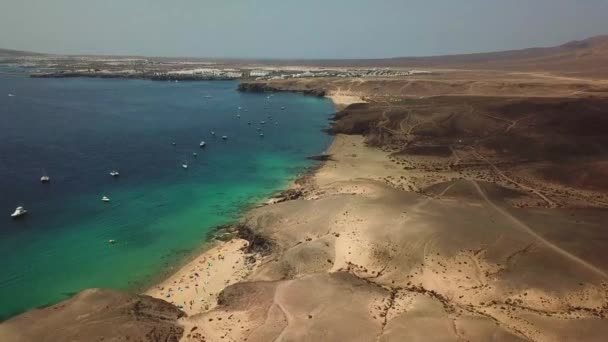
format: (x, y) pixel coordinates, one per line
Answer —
(295, 28)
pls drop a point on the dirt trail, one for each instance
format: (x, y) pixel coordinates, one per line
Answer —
(511, 180)
(521, 225)
(278, 302)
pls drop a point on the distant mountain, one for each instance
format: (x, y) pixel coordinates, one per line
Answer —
(17, 53)
(587, 57)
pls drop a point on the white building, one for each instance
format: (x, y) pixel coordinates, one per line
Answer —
(259, 73)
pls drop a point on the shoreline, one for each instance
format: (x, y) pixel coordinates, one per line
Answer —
(406, 226)
(181, 285)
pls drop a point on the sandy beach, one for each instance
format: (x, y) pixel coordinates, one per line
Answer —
(195, 287)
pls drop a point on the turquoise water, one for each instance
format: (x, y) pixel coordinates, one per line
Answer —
(77, 130)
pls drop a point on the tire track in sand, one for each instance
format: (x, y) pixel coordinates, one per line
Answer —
(524, 227)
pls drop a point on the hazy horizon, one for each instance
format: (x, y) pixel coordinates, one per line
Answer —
(276, 29)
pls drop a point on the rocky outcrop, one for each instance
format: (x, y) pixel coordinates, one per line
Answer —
(97, 315)
(262, 87)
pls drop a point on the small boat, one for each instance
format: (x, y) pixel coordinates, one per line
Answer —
(249, 123)
(114, 173)
(11, 95)
(238, 115)
(194, 154)
(225, 137)
(173, 143)
(282, 108)
(208, 96)
(20, 211)
(262, 135)
(202, 144)
(185, 165)
(45, 179)
(258, 129)
(212, 133)
(105, 199)
(263, 122)
(111, 241)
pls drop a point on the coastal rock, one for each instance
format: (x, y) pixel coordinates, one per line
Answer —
(321, 157)
(96, 315)
(261, 87)
(257, 242)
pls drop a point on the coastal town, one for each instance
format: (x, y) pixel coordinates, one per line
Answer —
(49, 66)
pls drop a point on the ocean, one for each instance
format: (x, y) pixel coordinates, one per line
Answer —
(77, 130)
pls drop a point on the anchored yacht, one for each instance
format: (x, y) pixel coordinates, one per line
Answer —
(20, 211)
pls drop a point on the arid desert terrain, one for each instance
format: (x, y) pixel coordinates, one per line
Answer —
(467, 204)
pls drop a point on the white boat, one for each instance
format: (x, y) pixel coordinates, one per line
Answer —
(105, 199)
(262, 135)
(11, 95)
(20, 211)
(263, 122)
(212, 133)
(282, 108)
(111, 241)
(202, 144)
(238, 115)
(185, 165)
(45, 179)
(194, 154)
(173, 143)
(114, 173)
(225, 137)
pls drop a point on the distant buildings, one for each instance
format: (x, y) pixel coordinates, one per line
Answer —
(259, 73)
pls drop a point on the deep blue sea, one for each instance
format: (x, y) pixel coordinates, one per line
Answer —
(77, 130)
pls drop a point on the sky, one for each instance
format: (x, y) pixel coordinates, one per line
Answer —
(295, 28)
